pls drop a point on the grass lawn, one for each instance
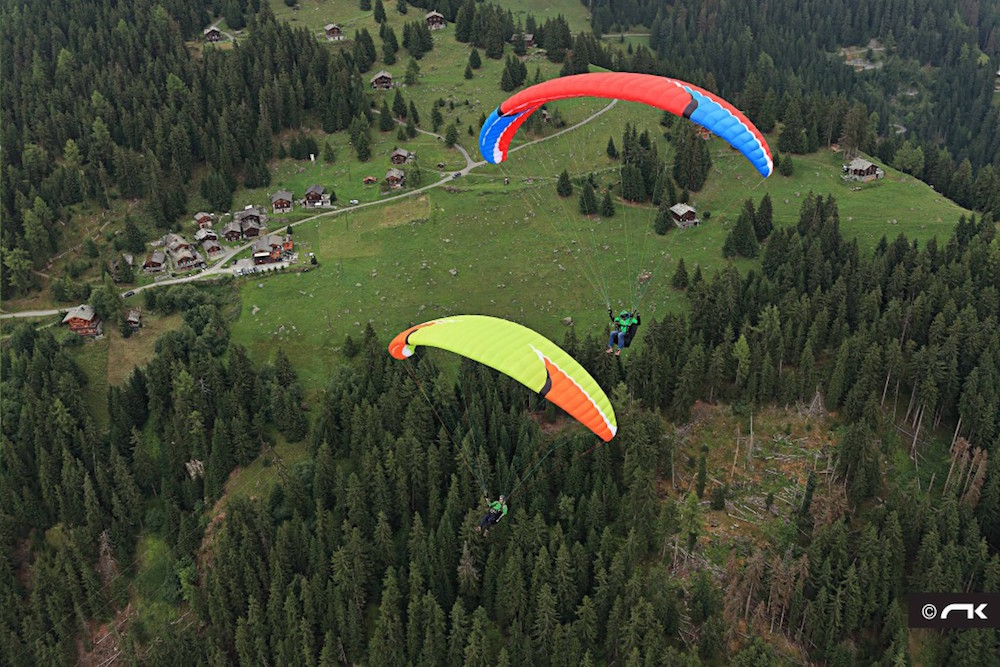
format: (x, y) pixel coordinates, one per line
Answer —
(256, 480)
(125, 354)
(92, 357)
(156, 588)
(896, 204)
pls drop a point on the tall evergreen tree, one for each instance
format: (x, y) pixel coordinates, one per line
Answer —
(564, 187)
(588, 199)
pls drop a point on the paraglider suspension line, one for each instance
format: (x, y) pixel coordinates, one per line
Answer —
(461, 450)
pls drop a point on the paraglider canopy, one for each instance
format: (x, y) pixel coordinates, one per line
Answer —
(523, 354)
(672, 95)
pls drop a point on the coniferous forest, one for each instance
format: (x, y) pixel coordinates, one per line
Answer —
(364, 552)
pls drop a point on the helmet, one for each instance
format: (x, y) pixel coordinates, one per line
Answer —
(624, 313)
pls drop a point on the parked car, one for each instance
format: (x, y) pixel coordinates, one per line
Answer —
(129, 293)
(456, 174)
(354, 202)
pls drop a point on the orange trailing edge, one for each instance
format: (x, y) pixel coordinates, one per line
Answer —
(560, 389)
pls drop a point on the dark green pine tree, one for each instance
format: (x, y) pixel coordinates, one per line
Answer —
(379, 14)
(744, 241)
(680, 279)
(607, 207)
(702, 478)
(792, 137)
(459, 634)
(475, 62)
(468, 71)
(411, 113)
(478, 651)
(464, 19)
(385, 119)
(633, 183)
(387, 642)
(399, 105)
(664, 220)
(762, 222)
(388, 54)
(507, 81)
(612, 150)
(451, 136)
(564, 187)
(588, 199)
(366, 5)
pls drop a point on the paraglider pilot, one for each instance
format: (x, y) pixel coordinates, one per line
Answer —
(619, 335)
(497, 511)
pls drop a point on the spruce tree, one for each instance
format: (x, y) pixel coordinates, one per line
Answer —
(399, 105)
(475, 62)
(388, 54)
(507, 81)
(611, 150)
(744, 240)
(680, 279)
(786, 168)
(762, 222)
(412, 76)
(588, 199)
(607, 208)
(664, 221)
(379, 14)
(451, 136)
(385, 121)
(564, 187)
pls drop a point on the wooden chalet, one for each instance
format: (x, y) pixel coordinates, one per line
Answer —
(232, 231)
(281, 201)
(316, 196)
(862, 170)
(211, 246)
(251, 228)
(684, 216)
(187, 259)
(203, 219)
(401, 156)
(174, 243)
(334, 32)
(206, 234)
(369, 180)
(395, 178)
(83, 320)
(133, 318)
(527, 37)
(251, 220)
(155, 262)
(381, 81)
(267, 249)
(435, 20)
(212, 34)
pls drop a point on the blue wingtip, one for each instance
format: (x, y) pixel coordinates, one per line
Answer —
(489, 135)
